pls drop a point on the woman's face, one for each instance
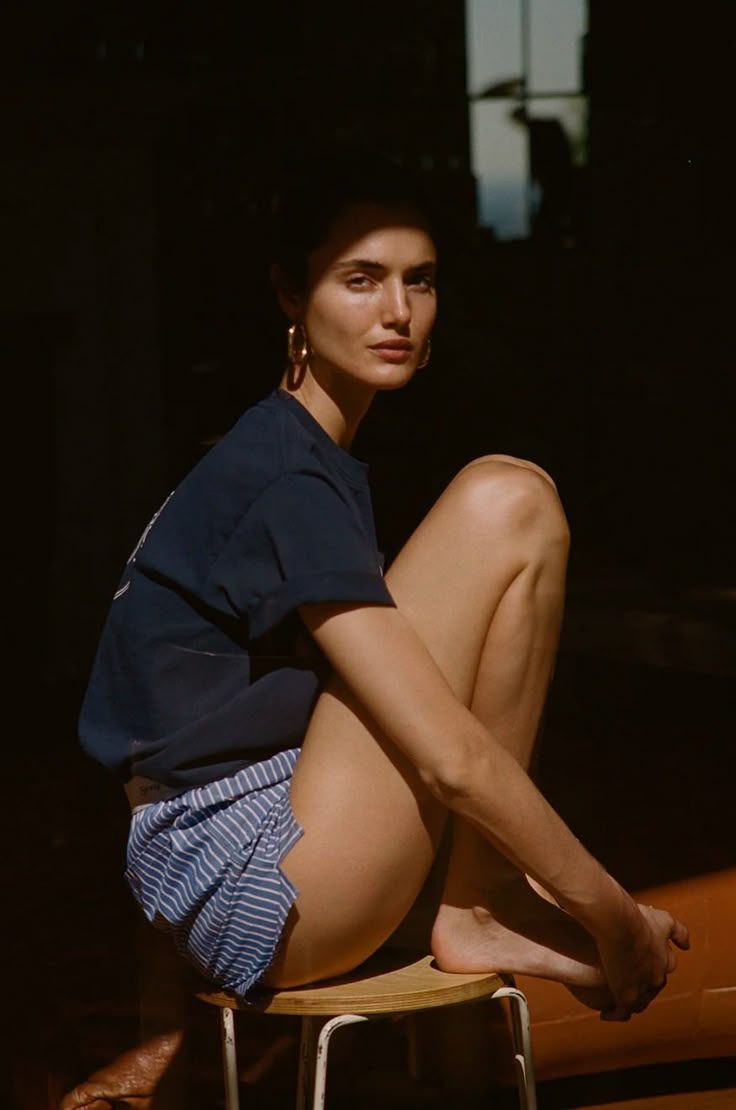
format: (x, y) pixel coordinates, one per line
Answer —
(370, 301)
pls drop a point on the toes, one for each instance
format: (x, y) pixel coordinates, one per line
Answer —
(82, 1098)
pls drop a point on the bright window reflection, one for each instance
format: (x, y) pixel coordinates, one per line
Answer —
(527, 114)
(500, 167)
(556, 28)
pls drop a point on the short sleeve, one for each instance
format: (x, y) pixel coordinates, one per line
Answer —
(303, 540)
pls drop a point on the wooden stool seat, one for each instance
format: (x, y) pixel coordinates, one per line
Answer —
(395, 982)
(384, 984)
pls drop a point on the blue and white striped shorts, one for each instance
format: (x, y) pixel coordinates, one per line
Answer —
(204, 866)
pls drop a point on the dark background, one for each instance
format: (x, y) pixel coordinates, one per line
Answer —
(137, 323)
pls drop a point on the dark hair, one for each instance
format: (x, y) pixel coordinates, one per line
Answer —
(314, 193)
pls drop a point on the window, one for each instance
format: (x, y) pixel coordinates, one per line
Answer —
(527, 114)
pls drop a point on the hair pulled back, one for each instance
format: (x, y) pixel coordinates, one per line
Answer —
(314, 192)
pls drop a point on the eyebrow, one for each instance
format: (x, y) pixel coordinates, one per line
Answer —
(369, 264)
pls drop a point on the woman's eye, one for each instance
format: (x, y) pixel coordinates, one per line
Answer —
(422, 281)
(358, 281)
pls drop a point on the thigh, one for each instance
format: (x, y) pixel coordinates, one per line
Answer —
(371, 831)
(371, 828)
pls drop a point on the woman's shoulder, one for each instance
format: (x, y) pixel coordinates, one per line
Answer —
(277, 439)
(259, 452)
(217, 495)
(253, 452)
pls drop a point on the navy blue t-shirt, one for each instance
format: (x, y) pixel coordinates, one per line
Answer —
(204, 665)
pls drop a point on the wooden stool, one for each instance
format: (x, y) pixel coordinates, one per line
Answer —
(393, 982)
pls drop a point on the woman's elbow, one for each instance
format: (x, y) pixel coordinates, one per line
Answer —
(453, 775)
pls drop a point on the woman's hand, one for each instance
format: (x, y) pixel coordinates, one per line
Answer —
(637, 962)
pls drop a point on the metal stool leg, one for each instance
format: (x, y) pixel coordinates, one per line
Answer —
(521, 1034)
(412, 1046)
(323, 1044)
(229, 1058)
(307, 1057)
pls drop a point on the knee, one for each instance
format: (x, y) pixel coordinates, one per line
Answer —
(511, 461)
(516, 494)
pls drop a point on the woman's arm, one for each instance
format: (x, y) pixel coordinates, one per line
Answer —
(384, 662)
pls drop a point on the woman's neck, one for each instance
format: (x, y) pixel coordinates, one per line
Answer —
(337, 408)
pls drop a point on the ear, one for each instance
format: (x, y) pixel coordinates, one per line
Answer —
(289, 301)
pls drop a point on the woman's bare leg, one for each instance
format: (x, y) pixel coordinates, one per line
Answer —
(488, 911)
(481, 580)
(489, 915)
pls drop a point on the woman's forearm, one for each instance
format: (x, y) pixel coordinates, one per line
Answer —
(487, 787)
(395, 679)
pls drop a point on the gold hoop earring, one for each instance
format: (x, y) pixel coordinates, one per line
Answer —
(425, 358)
(297, 348)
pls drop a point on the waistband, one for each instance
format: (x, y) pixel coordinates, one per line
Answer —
(142, 791)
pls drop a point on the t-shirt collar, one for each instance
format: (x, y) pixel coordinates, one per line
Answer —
(353, 469)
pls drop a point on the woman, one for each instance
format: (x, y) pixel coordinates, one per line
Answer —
(296, 728)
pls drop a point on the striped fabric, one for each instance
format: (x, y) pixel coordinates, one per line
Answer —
(204, 866)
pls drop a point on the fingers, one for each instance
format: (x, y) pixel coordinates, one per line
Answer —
(636, 983)
(648, 996)
(624, 1011)
(679, 935)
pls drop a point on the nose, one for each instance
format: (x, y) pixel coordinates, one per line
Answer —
(396, 307)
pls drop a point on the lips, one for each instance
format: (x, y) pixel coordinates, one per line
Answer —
(393, 345)
(396, 351)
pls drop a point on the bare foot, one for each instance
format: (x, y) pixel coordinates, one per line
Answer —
(519, 932)
(131, 1079)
